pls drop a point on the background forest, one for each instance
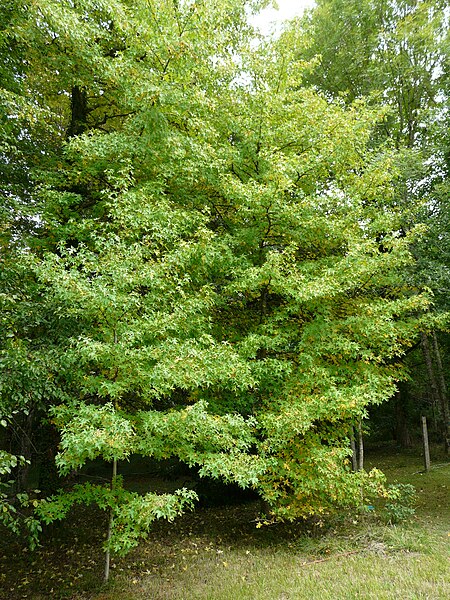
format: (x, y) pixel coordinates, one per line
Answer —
(220, 248)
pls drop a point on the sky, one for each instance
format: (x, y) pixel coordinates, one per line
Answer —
(287, 9)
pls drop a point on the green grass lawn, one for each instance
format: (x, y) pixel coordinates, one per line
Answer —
(220, 554)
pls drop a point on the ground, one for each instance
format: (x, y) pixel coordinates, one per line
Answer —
(218, 553)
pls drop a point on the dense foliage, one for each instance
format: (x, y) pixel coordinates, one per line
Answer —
(203, 256)
(395, 54)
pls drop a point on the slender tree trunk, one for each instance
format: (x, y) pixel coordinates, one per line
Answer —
(78, 111)
(110, 525)
(430, 370)
(353, 447)
(360, 447)
(402, 434)
(443, 396)
(434, 416)
(111, 514)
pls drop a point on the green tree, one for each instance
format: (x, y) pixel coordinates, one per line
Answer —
(392, 52)
(220, 254)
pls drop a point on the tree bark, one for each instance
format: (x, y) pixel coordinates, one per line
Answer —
(443, 396)
(110, 525)
(430, 370)
(111, 514)
(353, 447)
(360, 447)
(402, 434)
(78, 112)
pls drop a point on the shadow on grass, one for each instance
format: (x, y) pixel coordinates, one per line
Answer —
(198, 548)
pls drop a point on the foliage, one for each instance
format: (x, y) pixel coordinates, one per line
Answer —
(219, 444)
(133, 513)
(402, 497)
(16, 515)
(217, 271)
(394, 54)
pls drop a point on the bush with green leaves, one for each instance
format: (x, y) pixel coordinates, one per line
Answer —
(401, 498)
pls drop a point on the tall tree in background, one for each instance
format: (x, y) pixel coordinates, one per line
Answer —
(31, 131)
(392, 52)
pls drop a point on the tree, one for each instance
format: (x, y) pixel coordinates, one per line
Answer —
(392, 52)
(209, 251)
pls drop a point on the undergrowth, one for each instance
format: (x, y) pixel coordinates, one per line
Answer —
(218, 552)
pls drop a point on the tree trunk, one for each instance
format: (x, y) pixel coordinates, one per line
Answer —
(430, 370)
(353, 447)
(360, 447)
(402, 434)
(78, 112)
(111, 514)
(443, 396)
(110, 525)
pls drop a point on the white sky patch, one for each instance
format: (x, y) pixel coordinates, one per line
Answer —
(270, 19)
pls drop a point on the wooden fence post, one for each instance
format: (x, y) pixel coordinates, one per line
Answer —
(426, 448)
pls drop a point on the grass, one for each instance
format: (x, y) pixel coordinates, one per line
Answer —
(219, 554)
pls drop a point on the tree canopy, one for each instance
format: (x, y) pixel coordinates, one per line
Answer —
(212, 255)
